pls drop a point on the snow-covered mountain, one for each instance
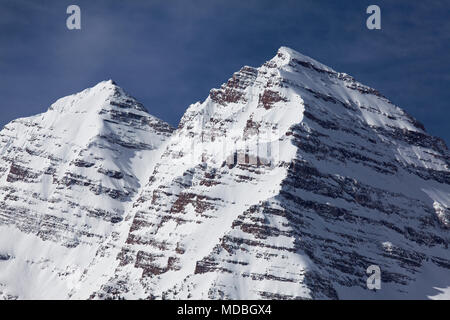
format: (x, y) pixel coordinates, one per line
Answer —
(287, 182)
(67, 179)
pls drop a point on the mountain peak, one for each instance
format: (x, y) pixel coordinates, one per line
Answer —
(104, 110)
(106, 84)
(104, 94)
(86, 100)
(286, 55)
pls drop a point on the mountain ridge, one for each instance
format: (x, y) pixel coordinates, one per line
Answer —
(286, 182)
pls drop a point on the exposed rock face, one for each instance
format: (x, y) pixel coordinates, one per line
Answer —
(67, 178)
(288, 182)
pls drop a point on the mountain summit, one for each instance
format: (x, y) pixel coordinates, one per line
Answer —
(288, 182)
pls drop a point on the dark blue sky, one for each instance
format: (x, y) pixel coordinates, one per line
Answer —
(170, 53)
